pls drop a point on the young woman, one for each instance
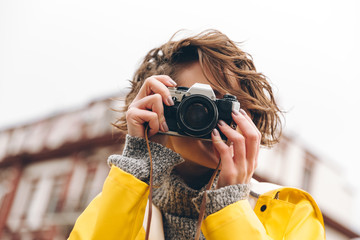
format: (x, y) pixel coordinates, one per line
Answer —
(237, 207)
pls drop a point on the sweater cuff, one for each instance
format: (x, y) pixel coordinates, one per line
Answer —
(219, 198)
(136, 161)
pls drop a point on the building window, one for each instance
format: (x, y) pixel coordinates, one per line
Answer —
(86, 191)
(56, 197)
(34, 185)
(308, 171)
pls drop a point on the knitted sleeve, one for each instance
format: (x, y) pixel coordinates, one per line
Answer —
(135, 160)
(222, 197)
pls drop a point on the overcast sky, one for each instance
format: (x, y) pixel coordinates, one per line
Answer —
(56, 55)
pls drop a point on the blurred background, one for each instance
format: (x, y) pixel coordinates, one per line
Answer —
(62, 64)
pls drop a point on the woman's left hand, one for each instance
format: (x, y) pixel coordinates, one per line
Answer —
(239, 159)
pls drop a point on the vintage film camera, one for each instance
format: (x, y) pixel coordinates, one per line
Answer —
(197, 111)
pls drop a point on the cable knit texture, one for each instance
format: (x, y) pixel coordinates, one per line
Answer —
(178, 202)
(220, 198)
(136, 161)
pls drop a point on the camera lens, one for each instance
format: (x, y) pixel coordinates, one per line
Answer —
(197, 115)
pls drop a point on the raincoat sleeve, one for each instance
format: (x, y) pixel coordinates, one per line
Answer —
(118, 211)
(294, 215)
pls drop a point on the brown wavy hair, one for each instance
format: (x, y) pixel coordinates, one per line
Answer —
(226, 62)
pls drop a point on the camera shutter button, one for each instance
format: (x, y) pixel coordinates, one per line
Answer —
(184, 89)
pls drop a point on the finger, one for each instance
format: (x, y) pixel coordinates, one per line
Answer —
(238, 141)
(239, 149)
(136, 118)
(228, 174)
(251, 122)
(219, 144)
(153, 103)
(157, 84)
(250, 133)
(259, 136)
(243, 112)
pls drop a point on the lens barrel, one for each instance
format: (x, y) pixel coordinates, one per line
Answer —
(197, 115)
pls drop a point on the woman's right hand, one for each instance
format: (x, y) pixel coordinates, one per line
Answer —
(147, 106)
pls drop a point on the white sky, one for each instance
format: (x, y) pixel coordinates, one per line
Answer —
(56, 55)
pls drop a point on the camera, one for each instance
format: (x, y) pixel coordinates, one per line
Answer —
(196, 111)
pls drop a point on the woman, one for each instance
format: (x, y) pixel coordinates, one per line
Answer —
(183, 165)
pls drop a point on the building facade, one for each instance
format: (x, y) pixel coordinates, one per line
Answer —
(51, 169)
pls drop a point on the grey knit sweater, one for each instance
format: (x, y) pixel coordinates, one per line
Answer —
(178, 202)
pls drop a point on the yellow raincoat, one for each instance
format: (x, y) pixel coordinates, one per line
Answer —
(118, 213)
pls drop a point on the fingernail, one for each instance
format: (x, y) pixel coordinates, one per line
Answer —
(222, 123)
(216, 132)
(243, 112)
(170, 101)
(172, 82)
(236, 112)
(165, 127)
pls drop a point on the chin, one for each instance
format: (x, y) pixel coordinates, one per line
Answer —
(200, 152)
(195, 150)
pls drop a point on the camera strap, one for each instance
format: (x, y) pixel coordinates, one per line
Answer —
(150, 186)
(203, 202)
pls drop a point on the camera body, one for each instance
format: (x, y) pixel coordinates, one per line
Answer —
(196, 111)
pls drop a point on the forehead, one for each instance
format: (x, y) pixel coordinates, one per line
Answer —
(193, 73)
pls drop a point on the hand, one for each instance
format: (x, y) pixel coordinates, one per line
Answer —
(239, 159)
(147, 106)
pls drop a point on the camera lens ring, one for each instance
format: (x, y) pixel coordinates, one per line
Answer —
(205, 103)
